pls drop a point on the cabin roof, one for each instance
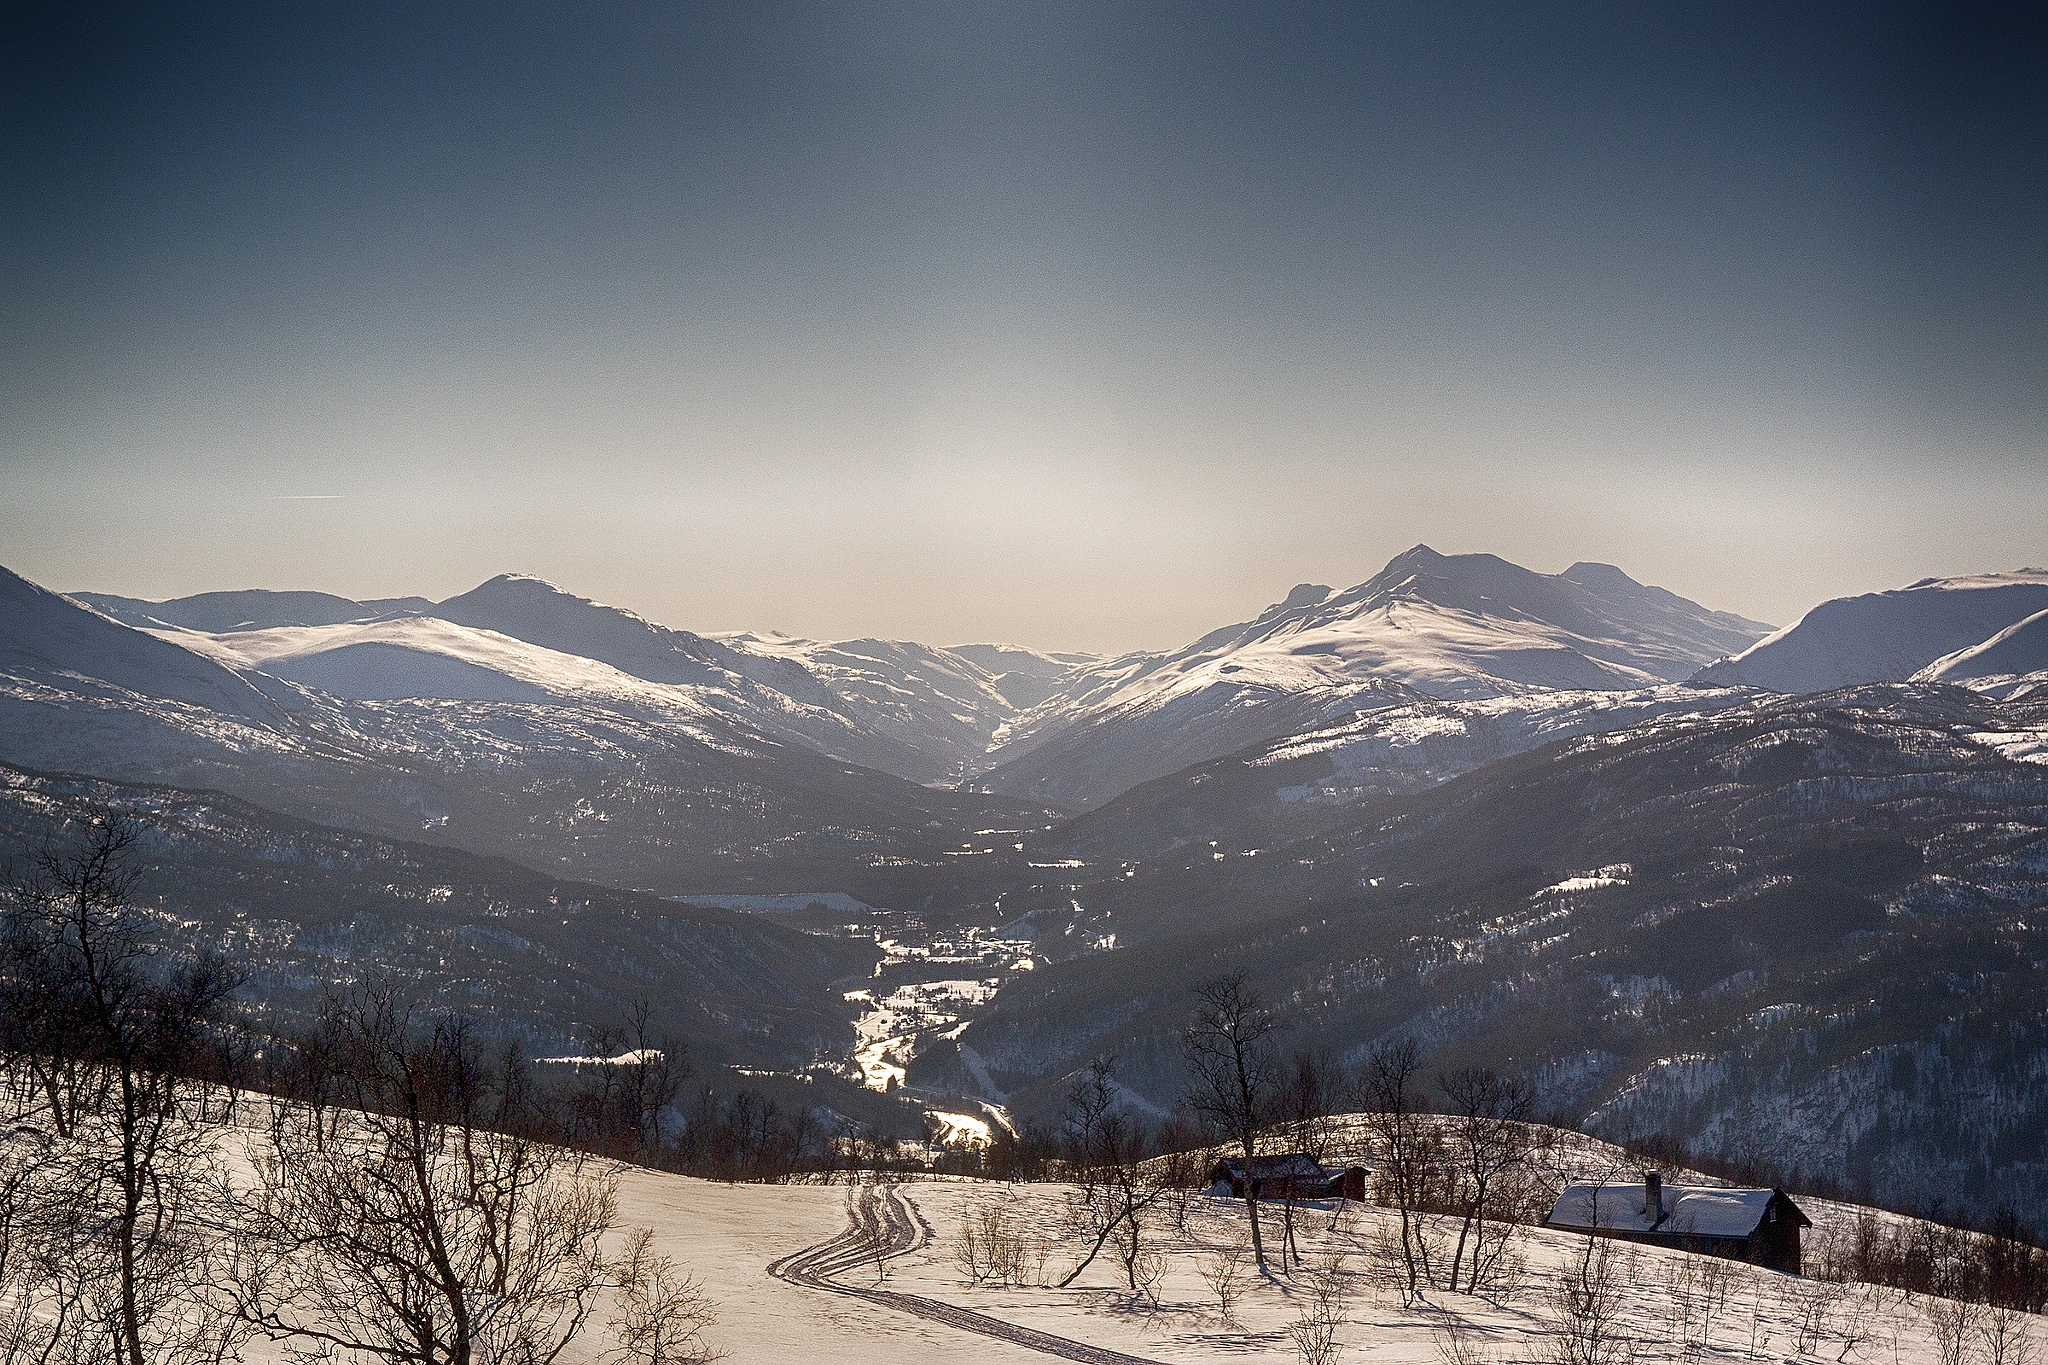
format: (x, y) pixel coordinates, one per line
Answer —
(1297, 1165)
(1689, 1210)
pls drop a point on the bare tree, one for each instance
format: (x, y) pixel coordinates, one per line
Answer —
(992, 1244)
(637, 1076)
(51, 1283)
(113, 1038)
(1586, 1307)
(1228, 1047)
(1321, 1312)
(1814, 1306)
(1308, 1092)
(1223, 1270)
(2007, 1336)
(663, 1312)
(1114, 1191)
(418, 1226)
(1489, 1144)
(1389, 1091)
(1956, 1325)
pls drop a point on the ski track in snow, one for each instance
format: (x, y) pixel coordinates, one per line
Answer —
(889, 1219)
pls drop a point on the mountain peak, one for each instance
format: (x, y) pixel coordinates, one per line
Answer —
(1415, 556)
(1889, 636)
(1306, 595)
(520, 584)
(1589, 574)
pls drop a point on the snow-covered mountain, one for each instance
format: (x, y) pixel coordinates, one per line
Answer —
(776, 694)
(518, 639)
(466, 737)
(1887, 636)
(1069, 728)
(945, 702)
(248, 609)
(1451, 627)
(2013, 662)
(48, 640)
(1025, 677)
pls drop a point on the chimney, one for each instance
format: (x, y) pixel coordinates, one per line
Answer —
(1653, 1197)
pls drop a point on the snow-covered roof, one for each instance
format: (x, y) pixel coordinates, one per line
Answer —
(1687, 1210)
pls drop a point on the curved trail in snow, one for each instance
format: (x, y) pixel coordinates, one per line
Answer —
(887, 1224)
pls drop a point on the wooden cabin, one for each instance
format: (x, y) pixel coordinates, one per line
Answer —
(1758, 1226)
(1291, 1175)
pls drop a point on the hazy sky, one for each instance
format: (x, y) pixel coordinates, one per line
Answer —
(1090, 326)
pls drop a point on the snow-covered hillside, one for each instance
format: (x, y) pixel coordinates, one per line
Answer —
(1891, 636)
(2012, 663)
(944, 702)
(422, 656)
(1452, 627)
(248, 609)
(51, 639)
(921, 1307)
(517, 639)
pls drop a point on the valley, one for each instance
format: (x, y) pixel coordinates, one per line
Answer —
(1560, 824)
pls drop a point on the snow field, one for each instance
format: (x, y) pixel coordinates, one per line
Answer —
(1662, 1307)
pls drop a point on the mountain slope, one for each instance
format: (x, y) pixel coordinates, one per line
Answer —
(1810, 928)
(929, 699)
(775, 693)
(1025, 677)
(300, 906)
(1283, 790)
(250, 609)
(49, 639)
(2016, 655)
(1453, 627)
(1883, 636)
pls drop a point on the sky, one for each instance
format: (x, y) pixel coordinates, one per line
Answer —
(1082, 326)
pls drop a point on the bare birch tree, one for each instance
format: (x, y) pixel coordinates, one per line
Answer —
(1489, 1144)
(109, 1038)
(1228, 1047)
(417, 1225)
(1392, 1104)
(1113, 1189)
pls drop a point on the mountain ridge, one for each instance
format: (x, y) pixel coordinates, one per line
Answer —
(1428, 625)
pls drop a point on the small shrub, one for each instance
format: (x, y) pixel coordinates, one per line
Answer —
(1956, 1325)
(1224, 1270)
(992, 1246)
(1585, 1305)
(1321, 1312)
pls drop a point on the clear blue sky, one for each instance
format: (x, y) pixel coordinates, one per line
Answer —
(1082, 325)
